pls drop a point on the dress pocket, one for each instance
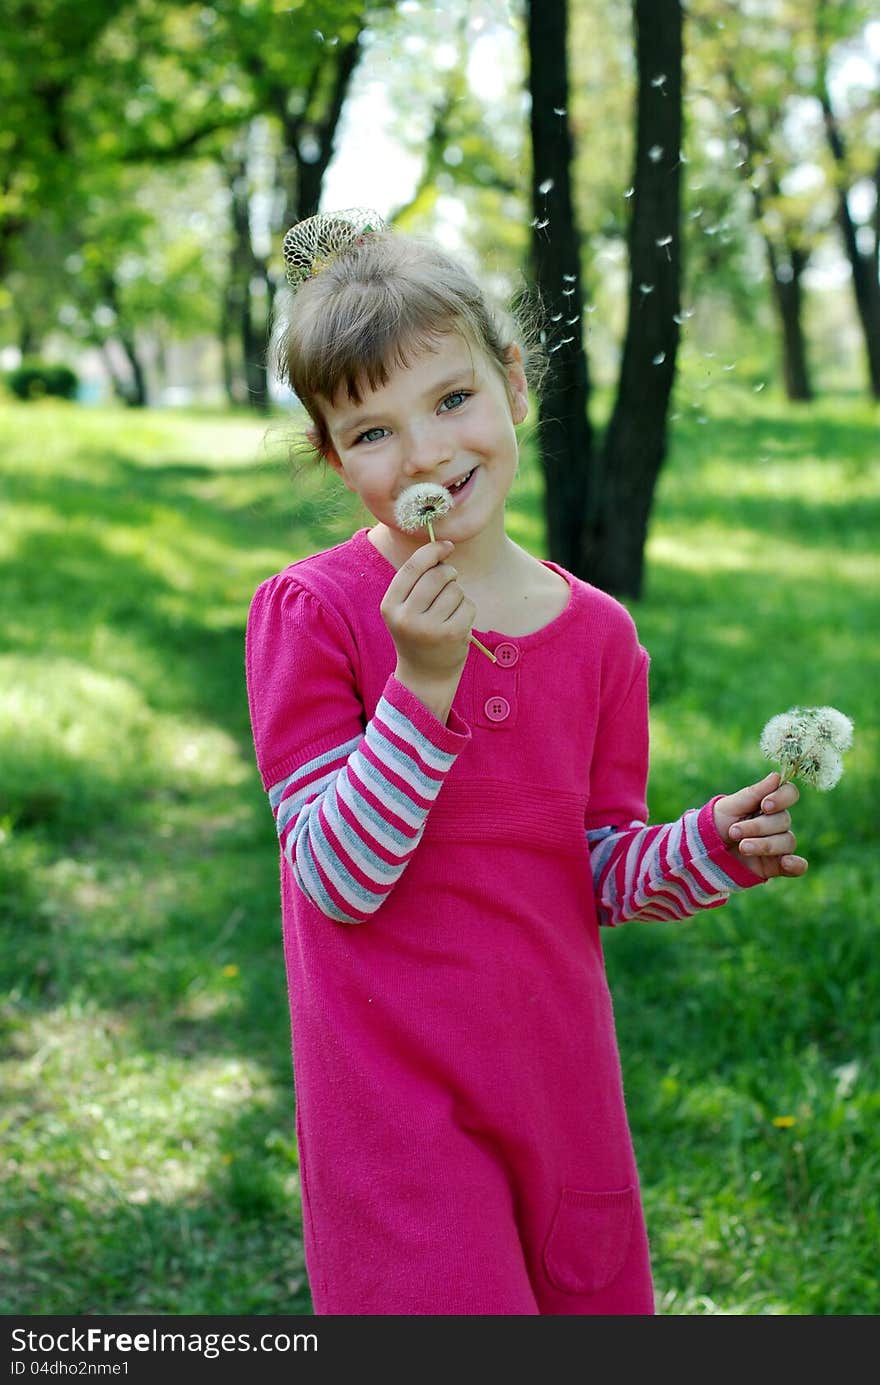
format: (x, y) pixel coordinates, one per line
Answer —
(589, 1239)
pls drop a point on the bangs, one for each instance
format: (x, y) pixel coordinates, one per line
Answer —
(362, 335)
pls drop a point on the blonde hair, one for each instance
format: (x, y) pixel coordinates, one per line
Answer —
(374, 306)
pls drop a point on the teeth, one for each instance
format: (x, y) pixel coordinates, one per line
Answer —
(464, 480)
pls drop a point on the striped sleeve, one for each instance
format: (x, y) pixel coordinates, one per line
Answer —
(349, 820)
(670, 871)
(350, 797)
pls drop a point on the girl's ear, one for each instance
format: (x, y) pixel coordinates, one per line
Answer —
(517, 384)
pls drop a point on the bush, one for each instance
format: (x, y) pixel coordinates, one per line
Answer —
(34, 378)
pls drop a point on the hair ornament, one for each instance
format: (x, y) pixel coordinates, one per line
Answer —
(311, 245)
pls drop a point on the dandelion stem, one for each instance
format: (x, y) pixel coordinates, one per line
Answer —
(473, 639)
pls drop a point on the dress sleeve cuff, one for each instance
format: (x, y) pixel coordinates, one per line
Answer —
(737, 872)
(451, 738)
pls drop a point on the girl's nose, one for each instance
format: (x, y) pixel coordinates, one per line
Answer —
(426, 451)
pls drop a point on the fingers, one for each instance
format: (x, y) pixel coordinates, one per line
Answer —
(768, 825)
(779, 796)
(793, 865)
(426, 557)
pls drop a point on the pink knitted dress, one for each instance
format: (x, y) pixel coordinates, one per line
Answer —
(464, 1146)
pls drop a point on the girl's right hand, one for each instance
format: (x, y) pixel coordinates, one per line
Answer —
(430, 621)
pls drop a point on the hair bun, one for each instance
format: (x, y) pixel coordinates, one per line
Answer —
(310, 245)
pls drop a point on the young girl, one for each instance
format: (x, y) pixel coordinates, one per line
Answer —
(454, 829)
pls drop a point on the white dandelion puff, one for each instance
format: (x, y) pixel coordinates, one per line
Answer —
(807, 743)
(419, 506)
(834, 728)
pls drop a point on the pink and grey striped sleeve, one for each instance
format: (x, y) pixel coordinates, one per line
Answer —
(350, 801)
(670, 871)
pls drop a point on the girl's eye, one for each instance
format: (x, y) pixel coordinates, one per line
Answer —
(454, 400)
(370, 435)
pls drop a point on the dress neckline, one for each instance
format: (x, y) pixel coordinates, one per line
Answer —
(548, 631)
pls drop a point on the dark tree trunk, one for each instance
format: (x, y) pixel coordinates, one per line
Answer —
(135, 394)
(787, 295)
(310, 172)
(616, 528)
(864, 267)
(246, 316)
(786, 258)
(565, 434)
(28, 341)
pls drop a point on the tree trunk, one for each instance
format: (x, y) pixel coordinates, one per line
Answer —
(615, 533)
(135, 395)
(866, 285)
(310, 172)
(248, 322)
(786, 259)
(565, 434)
(786, 281)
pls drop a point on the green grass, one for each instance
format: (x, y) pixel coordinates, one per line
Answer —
(149, 1164)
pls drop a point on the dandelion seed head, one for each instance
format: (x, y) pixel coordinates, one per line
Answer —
(420, 505)
(834, 728)
(806, 743)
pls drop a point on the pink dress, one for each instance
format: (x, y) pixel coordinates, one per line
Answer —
(463, 1139)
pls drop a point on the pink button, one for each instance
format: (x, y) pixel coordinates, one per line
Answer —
(497, 708)
(506, 654)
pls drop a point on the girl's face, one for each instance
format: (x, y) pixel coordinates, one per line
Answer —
(448, 417)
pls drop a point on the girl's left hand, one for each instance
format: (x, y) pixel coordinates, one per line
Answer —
(756, 824)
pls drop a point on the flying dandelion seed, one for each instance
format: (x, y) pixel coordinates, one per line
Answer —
(655, 153)
(545, 187)
(659, 81)
(560, 110)
(629, 192)
(659, 358)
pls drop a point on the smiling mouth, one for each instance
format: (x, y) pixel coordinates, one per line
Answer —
(459, 485)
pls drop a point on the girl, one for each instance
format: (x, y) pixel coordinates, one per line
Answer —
(454, 829)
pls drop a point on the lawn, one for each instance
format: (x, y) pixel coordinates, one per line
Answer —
(149, 1163)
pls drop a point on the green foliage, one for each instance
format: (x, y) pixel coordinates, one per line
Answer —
(34, 379)
(149, 1162)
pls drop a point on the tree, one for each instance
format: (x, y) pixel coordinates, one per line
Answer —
(598, 496)
(565, 432)
(834, 21)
